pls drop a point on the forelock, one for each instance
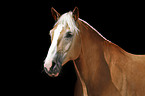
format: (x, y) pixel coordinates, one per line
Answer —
(67, 20)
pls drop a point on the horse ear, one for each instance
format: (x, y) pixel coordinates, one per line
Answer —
(55, 14)
(76, 13)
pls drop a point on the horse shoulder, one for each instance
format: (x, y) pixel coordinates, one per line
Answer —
(136, 74)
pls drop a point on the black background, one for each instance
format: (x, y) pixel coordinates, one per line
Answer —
(119, 21)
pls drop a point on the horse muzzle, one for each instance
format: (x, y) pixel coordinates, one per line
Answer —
(55, 68)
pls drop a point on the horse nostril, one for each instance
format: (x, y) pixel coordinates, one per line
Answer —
(53, 64)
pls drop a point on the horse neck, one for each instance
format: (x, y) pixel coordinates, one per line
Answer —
(91, 63)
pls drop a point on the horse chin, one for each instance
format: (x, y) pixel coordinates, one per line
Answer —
(53, 75)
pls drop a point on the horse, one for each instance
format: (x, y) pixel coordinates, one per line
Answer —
(103, 68)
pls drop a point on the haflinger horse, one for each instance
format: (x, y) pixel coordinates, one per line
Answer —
(102, 67)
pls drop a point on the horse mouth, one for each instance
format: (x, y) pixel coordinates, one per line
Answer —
(54, 70)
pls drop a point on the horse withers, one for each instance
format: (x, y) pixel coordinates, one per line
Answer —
(103, 68)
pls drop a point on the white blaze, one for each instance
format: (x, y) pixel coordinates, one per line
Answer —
(53, 48)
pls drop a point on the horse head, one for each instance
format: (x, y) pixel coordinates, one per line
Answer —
(65, 41)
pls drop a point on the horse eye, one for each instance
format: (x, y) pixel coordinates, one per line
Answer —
(69, 35)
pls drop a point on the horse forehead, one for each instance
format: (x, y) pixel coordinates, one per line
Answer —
(59, 29)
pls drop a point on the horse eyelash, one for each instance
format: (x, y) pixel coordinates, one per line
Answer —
(69, 34)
